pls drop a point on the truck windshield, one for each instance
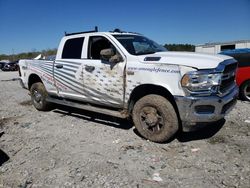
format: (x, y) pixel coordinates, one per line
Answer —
(139, 45)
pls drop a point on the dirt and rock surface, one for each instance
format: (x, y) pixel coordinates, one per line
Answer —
(70, 148)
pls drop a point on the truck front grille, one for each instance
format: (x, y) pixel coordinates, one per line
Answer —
(228, 77)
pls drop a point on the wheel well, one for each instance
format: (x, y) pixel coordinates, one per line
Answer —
(147, 89)
(244, 82)
(33, 78)
(241, 87)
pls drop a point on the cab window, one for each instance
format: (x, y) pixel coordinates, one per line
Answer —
(243, 59)
(73, 48)
(96, 45)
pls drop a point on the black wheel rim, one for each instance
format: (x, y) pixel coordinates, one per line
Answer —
(151, 119)
(247, 91)
(37, 97)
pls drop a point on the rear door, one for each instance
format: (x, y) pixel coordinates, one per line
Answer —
(67, 69)
(103, 81)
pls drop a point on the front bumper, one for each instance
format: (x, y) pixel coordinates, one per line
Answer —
(194, 110)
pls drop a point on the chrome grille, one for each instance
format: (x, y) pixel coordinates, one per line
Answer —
(228, 77)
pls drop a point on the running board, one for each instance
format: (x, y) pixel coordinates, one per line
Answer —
(120, 114)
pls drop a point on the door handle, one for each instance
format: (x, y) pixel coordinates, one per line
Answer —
(59, 66)
(89, 68)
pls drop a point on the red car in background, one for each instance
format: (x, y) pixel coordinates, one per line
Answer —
(243, 72)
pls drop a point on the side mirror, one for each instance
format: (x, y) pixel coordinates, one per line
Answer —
(116, 58)
(109, 55)
(106, 54)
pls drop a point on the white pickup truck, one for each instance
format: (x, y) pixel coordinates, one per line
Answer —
(125, 74)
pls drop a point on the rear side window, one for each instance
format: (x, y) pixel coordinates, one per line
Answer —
(73, 48)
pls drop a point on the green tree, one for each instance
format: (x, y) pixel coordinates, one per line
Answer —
(28, 55)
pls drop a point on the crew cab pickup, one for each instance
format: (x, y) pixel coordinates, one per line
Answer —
(126, 75)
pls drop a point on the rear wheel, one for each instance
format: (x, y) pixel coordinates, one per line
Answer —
(155, 118)
(38, 96)
(245, 91)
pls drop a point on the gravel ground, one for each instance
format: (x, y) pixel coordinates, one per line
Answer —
(70, 148)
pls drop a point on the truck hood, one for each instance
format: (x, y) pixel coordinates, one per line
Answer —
(190, 59)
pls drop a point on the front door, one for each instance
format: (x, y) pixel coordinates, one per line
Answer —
(103, 81)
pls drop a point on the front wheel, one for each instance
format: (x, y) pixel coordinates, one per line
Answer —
(38, 96)
(155, 118)
(245, 91)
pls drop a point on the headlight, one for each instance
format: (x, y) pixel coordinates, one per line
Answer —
(201, 81)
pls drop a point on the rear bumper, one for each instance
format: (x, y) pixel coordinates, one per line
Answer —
(195, 110)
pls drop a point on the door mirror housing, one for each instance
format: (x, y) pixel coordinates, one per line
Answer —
(106, 54)
(109, 55)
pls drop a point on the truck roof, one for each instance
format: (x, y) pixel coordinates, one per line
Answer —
(115, 31)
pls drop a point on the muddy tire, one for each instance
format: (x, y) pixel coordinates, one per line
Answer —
(38, 96)
(155, 118)
(245, 91)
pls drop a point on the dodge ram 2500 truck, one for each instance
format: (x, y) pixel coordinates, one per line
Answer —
(125, 74)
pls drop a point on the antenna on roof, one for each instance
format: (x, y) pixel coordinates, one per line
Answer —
(117, 30)
(96, 29)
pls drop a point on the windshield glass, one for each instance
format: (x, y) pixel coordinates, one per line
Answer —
(139, 45)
